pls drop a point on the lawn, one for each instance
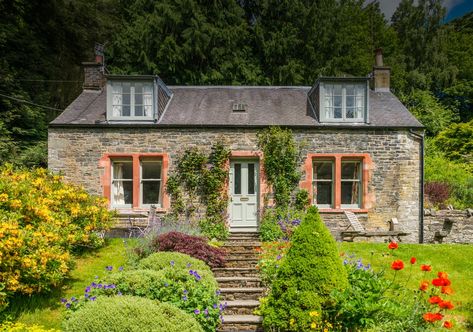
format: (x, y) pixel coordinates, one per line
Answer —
(46, 309)
(455, 259)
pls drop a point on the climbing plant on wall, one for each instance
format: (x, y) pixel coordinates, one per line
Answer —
(280, 162)
(199, 183)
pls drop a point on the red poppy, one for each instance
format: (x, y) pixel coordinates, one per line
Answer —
(431, 317)
(442, 275)
(447, 324)
(424, 285)
(446, 305)
(441, 282)
(413, 260)
(425, 268)
(397, 265)
(435, 300)
(447, 290)
(393, 245)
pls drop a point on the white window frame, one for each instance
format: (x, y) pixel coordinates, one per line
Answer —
(112, 179)
(360, 184)
(132, 116)
(322, 112)
(151, 160)
(314, 183)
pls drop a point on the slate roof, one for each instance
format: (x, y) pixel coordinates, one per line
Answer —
(212, 106)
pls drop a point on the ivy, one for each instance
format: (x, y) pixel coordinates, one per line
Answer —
(280, 162)
(199, 180)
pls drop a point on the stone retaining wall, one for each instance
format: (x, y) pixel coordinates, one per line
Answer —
(448, 226)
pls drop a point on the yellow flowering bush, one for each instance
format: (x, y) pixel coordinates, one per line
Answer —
(20, 327)
(42, 219)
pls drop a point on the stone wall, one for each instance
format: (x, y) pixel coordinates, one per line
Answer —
(448, 226)
(393, 183)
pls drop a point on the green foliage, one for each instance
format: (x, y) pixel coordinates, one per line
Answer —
(279, 223)
(302, 200)
(280, 155)
(271, 256)
(129, 313)
(310, 272)
(428, 110)
(456, 142)
(201, 179)
(363, 305)
(161, 260)
(456, 175)
(42, 221)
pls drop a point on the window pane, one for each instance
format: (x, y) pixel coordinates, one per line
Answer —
(350, 90)
(151, 191)
(126, 99)
(323, 170)
(337, 89)
(138, 99)
(338, 113)
(350, 192)
(122, 192)
(126, 110)
(122, 170)
(323, 193)
(350, 170)
(138, 110)
(126, 88)
(350, 101)
(337, 101)
(350, 113)
(251, 179)
(138, 88)
(237, 184)
(151, 170)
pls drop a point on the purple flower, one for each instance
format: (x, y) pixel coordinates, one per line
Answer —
(172, 263)
(112, 286)
(217, 292)
(166, 284)
(120, 268)
(215, 306)
(68, 305)
(191, 272)
(119, 293)
(184, 298)
(93, 298)
(188, 265)
(206, 312)
(99, 286)
(279, 257)
(86, 295)
(109, 268)
(73, 299)
(94, 285)
(185, 291)
(63, 300)
(345, 262)
(367, 267)
(96, 277)
(87, 289)
(221, 318)
(196, 311)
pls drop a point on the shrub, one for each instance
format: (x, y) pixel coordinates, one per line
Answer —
(437, 193)
(129, 313)
(194, 246)
(162, 260)
(20, 327)
(42, 220)
(279, 223)
(311, 270)
(187, 289)
(364, 304)
(271, 257)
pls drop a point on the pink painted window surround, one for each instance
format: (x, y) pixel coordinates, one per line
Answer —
(342, 179)
(138, 173)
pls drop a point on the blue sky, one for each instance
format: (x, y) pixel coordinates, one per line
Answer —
(455, 8)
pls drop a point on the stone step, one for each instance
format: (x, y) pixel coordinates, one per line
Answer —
(241, 262)
(227, 282)
(235, 272)
(242, 240)
(241, 246)
(243, 293)
(244, 237)
(241, 323)
(242, 254)
(240, 307)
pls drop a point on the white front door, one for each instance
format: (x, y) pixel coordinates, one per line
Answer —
(244, 195)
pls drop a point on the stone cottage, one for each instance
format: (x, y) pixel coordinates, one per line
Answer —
(362, 148)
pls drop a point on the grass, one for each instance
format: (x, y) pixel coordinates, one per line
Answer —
(455, 259)
(46, 309)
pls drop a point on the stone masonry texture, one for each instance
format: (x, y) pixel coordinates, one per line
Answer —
(394, 182)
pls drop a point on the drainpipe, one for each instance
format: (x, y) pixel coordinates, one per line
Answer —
(421, 203)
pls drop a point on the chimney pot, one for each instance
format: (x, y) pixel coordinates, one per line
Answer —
(381, 73)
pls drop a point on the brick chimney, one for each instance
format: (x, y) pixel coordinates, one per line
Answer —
(94, 78)
(381, 73)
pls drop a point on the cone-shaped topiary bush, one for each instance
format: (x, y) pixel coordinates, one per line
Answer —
(310, 271)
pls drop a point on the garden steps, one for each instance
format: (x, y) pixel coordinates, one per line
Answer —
(228, 282)
(235, 271)
(241, 323)
(239, 282)
(240, 307)
(241, 293)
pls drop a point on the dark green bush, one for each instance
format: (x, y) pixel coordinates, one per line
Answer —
(310, 272)
(165, 259)
(129, 313)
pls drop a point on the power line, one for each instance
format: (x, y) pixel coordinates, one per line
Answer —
(31, 103)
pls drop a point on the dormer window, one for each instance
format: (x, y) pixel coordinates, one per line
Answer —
(340, 100)
(131, 100)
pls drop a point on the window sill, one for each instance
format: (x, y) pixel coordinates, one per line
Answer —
(136, 211)
(343, 210)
